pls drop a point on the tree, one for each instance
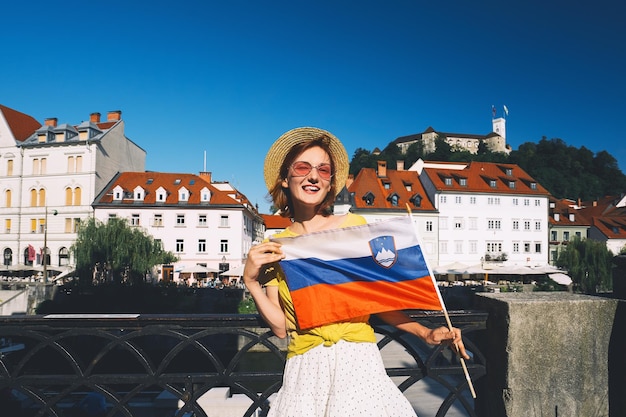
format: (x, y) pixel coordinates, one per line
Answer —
(588, 263)
(114, 251)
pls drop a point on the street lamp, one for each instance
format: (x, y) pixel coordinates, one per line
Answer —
(45, 244)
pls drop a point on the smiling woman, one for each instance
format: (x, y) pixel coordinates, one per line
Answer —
(333, 367)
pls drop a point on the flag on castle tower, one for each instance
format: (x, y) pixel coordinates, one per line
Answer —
(493, 110)
(335, 275)
(506, 110)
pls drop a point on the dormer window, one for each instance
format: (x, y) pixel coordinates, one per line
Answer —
(386, 184)
(408, 186)
(369, 199)
(447, 181)
(463, 182)
(571, 217)
(183, 194)
(512, 184)
(509, 172)
(417, 200)
(492, 183)
(139, 193)
(118, 193)
(205, 195)
(533, 185)
(394, 199)
(161, 195)
(557, 217)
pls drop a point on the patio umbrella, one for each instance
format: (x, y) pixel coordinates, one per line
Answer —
(452, 268)
(234, 272)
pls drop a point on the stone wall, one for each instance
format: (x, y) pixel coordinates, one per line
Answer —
(548, 355)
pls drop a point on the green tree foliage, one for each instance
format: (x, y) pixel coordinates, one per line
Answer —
(565, 171)
(589, 264)
(115, 252)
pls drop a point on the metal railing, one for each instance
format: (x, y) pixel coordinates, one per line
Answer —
(166, 365)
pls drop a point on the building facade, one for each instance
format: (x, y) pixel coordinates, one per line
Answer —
(201, 222)
(49, 180)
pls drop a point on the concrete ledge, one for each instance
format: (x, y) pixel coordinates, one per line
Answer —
(547, 354)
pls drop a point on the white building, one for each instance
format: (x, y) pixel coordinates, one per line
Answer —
(487, 212)
(51, 174)
(200, 221)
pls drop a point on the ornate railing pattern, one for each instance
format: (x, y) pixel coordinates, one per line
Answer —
(161, 365)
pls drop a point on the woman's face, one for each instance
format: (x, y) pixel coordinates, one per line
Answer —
(311, 188)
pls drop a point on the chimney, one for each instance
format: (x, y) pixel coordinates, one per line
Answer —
(94, 117)
(52, 121)
(382, 168)
(400, 165)
(114, 116)
(206, 175)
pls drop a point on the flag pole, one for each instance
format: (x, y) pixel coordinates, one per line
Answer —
(445, 310)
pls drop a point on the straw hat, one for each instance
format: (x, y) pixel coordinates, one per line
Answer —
(279, 150)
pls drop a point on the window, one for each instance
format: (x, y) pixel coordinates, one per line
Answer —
(68, 196)
(516, 201)
(7, 198)
(458, 223)
(223, 220)
(472, 200)
(134, 219)
(223, 246)
(458, 246)
(533, 185)
(494, 247)
(473, 223)
(492, 183)
(553, 236)
(526, 225)
(537, 247)
(447, 181)
(443, 223)
(515, 247)
(526, 202)
(202, 245)
(509, 172)
(180, 245)
(578, 235)
(443, 247)
(537, 203)
(71, 225)
(33, 198)
(429, 225)
(512, 184)
(494, 224)
(7, 225)
(473, 246)
(515, 224)
(9, 167)
(77, 196)
(71, 164)
(180, 220)
(443, 199)
(526, 247)
(463, 182)
(566, 236)
(158, 220)
(458, 199)
(537, 225)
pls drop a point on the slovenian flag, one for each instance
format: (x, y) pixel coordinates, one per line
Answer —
(339, 274)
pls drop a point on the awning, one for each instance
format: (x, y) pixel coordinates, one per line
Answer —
(561, 278)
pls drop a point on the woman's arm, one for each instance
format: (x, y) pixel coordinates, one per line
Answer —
(267, 300)
(436, 336)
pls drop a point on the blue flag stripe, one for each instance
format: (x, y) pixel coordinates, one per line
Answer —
(305, 272)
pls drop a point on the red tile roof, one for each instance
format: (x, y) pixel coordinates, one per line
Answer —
(478, 177)
(405, 184)
(273, 221)
(21, 125)
(564, 208)
(171, 182)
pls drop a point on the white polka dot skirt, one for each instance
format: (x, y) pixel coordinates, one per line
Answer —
(341, 380)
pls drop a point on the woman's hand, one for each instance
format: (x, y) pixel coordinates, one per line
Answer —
(444, 335)
(259, 257)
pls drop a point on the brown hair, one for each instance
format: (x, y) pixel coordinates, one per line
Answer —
(281, 196)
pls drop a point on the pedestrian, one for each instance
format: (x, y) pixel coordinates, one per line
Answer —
(335, 369)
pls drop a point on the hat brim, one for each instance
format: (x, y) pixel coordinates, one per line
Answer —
(281, 147)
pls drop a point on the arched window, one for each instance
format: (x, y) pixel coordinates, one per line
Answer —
(33, 198)
(42, 197)
(64, 256)
(8, 257)
(77, 196)
(7, 198)
(68, 196)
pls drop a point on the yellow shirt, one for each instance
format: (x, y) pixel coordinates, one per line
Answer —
(354, 330)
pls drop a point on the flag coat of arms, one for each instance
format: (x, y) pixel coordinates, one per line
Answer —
(335, 275)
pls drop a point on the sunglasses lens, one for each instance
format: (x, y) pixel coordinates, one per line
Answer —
(324, 171)
(302, 168)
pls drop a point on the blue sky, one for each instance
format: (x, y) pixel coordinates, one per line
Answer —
(229, 77)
